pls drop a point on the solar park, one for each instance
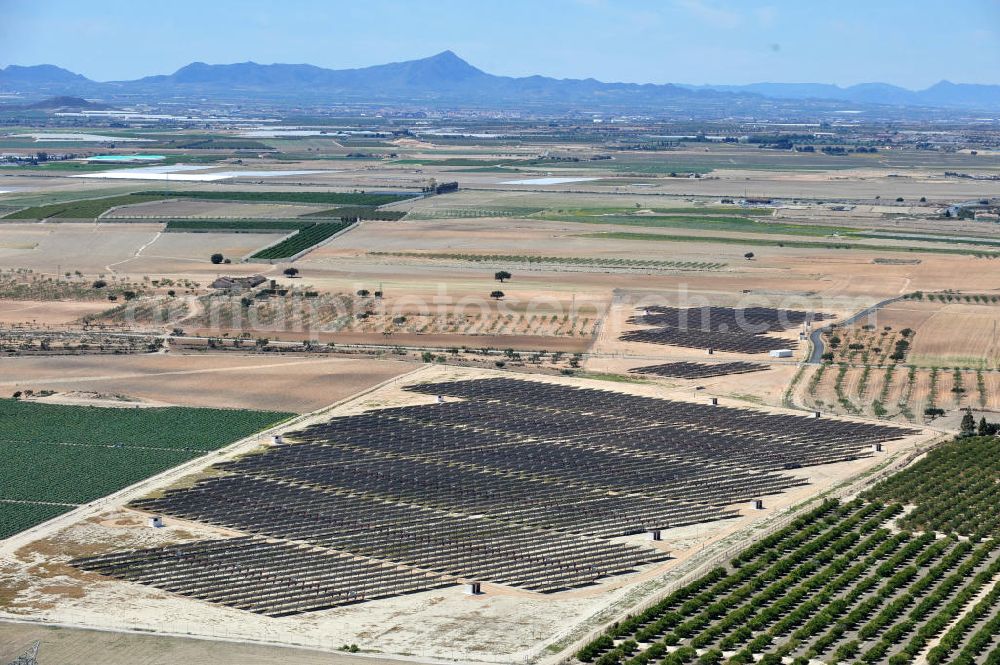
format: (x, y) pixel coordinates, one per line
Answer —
(690, 370)
(718, 328)
(512, 482)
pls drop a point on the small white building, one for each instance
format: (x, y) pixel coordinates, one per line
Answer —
(781, 353)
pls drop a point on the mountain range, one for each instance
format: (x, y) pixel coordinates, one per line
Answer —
(446, 79)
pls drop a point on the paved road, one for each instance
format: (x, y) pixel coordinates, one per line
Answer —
(816, 336)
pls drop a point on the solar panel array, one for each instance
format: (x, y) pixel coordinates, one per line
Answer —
(689, 370)
(520, 483)
(720, 328)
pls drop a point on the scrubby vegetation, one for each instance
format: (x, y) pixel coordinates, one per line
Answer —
(26, 284)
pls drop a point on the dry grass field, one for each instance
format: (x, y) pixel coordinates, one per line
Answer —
(46, 312)
(959, 336)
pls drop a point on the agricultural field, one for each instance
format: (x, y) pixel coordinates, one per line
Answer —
(94, 208)
(61, 456)
(868, 344)
(16, 516)
(26, 284)
(978, 346)
(83, 209)
(199, 378)
(324, 198)
(364, 314)
(952, 488)
(899, 391)
(235, 226)
(302, 240)
(191, 208)
(537, 271)
(840, 584)
(528, 261)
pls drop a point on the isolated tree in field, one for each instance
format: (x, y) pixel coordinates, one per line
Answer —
(364, 293)
(501, 276)
(291, 272)
(217, 258)
(968, 423)
(748, 256)
(496, 295)
(99, 284)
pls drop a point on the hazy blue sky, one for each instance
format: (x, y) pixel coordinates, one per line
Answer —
(913, 43)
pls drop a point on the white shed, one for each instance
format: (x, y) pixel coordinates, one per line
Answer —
(781, 353)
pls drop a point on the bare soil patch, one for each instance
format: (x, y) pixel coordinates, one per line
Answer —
(218, 380)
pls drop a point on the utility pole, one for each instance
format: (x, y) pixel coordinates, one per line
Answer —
(29, 657)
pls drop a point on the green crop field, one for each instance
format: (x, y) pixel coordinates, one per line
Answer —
(58, 456)
(95, 207)
(44, 198)
(302, 240)
(472, 213)
(331, 198)
(235, 226)
(839, 584)
(16, 517)
(82, 209)
(359, 212)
